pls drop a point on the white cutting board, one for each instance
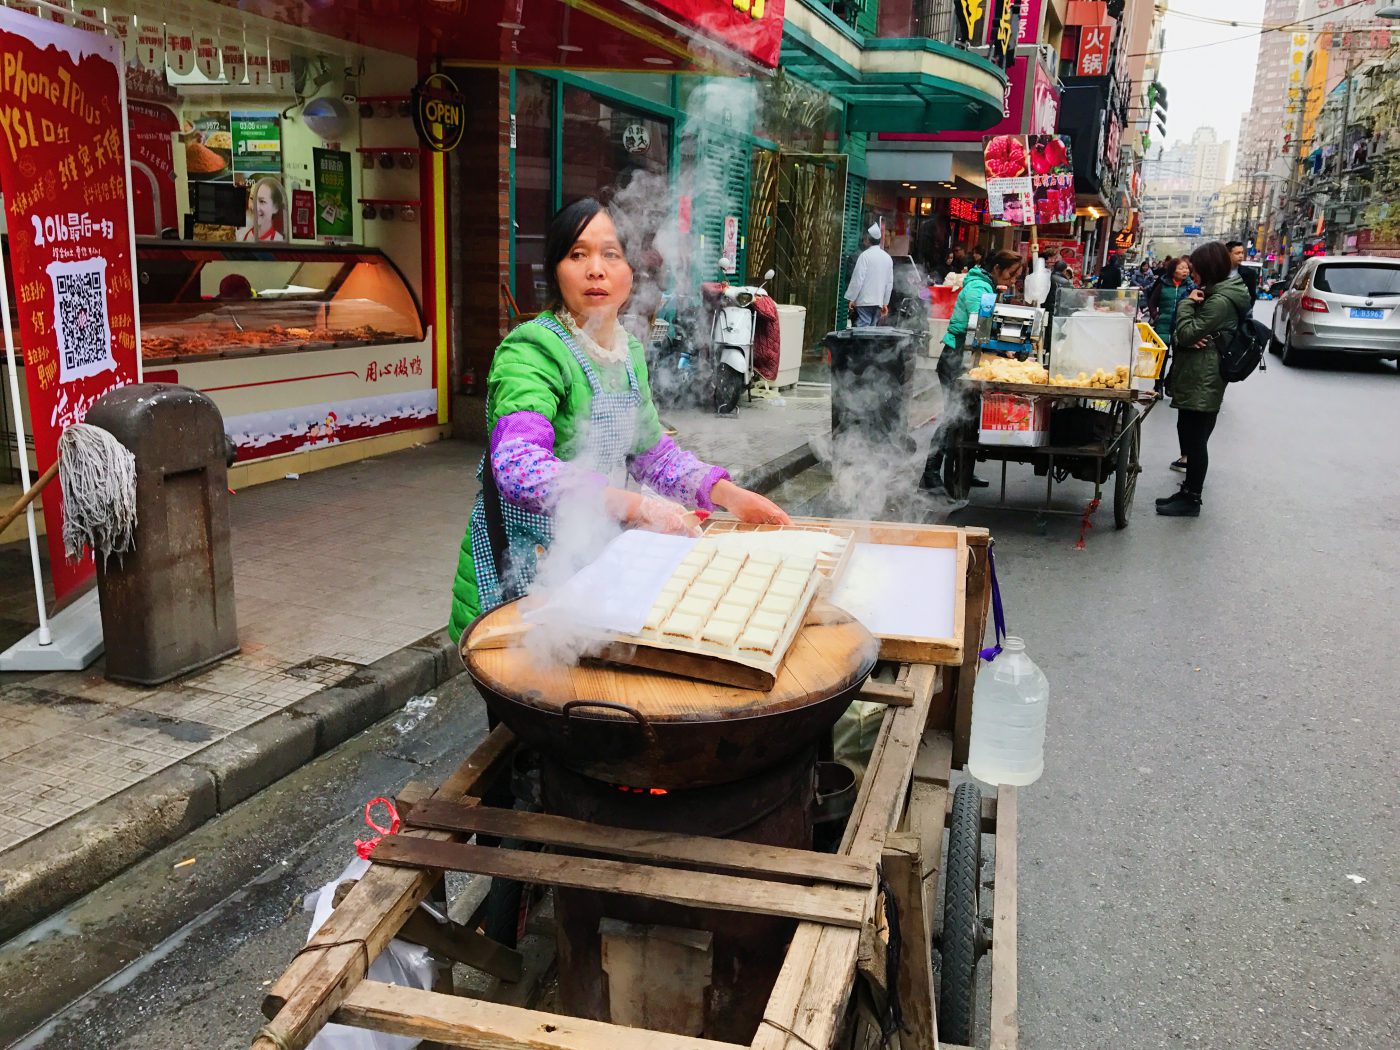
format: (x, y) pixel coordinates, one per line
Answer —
(900, 591)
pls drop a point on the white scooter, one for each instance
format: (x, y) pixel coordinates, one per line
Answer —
(732, 334)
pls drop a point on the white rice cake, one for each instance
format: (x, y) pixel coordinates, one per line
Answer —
(769, 559)
(682, 625)
(785, 588)
(697, 559)
(657, 616)
(714, 577)
(722, 633)
(799, 563)
(768, 621)
(709, 592)
(758, 640)
(737, 612)
(728, 562)
(776, 603)
(794, 576)
(698, 607)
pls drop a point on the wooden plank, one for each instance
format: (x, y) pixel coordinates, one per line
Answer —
(1005, 1026)
(886, 782)
(323, 973)
(901, 863)
(658, 976)
(840, 906)
(810, 995)
(928, 808)
(492, 1026)
(889, 693)
(975, 629)
(745, 858)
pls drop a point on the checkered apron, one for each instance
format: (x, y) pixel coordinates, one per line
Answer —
(612, 428)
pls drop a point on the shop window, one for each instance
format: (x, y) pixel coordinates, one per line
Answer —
(604, 143)
(534, 158)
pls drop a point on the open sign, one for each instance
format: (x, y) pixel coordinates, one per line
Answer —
(439, 112)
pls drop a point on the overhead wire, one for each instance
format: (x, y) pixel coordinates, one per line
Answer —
(1248, 36)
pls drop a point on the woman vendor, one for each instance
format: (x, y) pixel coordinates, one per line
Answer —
(998, 276)
(570, 418)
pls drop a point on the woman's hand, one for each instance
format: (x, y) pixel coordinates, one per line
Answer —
(659, 515)
(748, 506)
(1197, 295)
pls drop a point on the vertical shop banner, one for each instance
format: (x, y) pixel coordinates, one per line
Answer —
(64, 178)
(331, 177)
(971, 17)
(1045, 103)
(1006, 162)
(1095, 42)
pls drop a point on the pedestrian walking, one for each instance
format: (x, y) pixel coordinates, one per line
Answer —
(1247, 274)
(872, 282)
(1206, 320)
(1142, 277)
(999, 277)
(1111, 276)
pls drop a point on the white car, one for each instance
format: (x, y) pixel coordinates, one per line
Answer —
(1340, 304)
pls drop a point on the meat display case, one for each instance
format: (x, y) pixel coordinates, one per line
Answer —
(300, 346)
(207, 299)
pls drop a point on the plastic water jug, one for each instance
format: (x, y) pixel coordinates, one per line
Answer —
(1038, 283)
(1008, 719)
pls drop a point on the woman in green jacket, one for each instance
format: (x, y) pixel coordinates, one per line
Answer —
(1205, 322)
(999, 276)
(570, 418)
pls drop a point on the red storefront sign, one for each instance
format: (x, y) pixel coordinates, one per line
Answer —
(751, 27)
(1095, 43)
(63, 174)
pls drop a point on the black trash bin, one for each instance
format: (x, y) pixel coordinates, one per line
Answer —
(167, 605)
(871, 372)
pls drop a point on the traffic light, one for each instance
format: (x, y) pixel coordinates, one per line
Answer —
(1157, 105)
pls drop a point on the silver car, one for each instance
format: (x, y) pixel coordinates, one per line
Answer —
(1340, 304)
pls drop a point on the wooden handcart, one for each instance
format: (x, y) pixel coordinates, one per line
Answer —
(859, 961)
(1116, 455)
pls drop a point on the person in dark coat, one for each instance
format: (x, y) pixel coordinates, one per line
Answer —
(1111, 276)
(1247, 274)
(1206, 320)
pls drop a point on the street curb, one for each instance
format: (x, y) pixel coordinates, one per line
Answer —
(765, 477)
(71, 859)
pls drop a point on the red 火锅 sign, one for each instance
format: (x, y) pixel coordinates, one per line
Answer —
(64, 177)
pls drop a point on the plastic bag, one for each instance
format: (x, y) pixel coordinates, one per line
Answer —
(400, 963)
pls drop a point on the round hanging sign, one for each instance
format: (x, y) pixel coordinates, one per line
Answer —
(439, 112)
(636, 138)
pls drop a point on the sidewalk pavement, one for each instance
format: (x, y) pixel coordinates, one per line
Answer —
(342, 580)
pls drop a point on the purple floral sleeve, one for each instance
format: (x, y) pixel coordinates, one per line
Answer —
(677, 474)
(527, 472)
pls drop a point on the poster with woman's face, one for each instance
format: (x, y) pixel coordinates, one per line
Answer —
(267, 210)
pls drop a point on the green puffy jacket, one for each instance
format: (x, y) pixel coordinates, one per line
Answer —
(1195, 377)
(968, 304)
(533, 371)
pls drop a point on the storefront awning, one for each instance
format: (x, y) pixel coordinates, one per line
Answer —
(895, 85)
(709, 36)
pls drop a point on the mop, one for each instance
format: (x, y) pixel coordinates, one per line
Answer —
(98, 478)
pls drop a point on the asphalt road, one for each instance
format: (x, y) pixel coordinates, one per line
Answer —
(1221, 771)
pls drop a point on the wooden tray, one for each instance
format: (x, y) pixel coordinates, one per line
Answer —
(1094, 393)
(902, 648)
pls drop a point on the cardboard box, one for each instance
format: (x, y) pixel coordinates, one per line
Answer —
(1015, 419)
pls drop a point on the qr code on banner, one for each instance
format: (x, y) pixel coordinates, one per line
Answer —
(80, 318)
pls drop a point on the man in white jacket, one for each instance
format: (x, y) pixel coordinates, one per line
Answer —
(868, 294)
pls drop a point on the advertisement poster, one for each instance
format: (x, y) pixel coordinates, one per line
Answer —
(65, 191)
(1045, 103)
(303, 215)
(149, 129)
(331, 177)
(1052, 178)
(257, 142)
(1006, 162)
(209, 147)
(1071, 251)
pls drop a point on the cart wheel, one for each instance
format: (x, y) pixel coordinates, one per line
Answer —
(964, 938)
(1125, 477)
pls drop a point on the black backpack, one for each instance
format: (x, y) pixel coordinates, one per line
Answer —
(1241, 355)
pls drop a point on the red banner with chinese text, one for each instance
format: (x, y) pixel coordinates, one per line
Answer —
(63, 175)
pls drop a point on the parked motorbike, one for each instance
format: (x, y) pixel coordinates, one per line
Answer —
(733, 327)
(676, 360)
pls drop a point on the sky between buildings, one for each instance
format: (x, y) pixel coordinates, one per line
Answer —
(1211, 85)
